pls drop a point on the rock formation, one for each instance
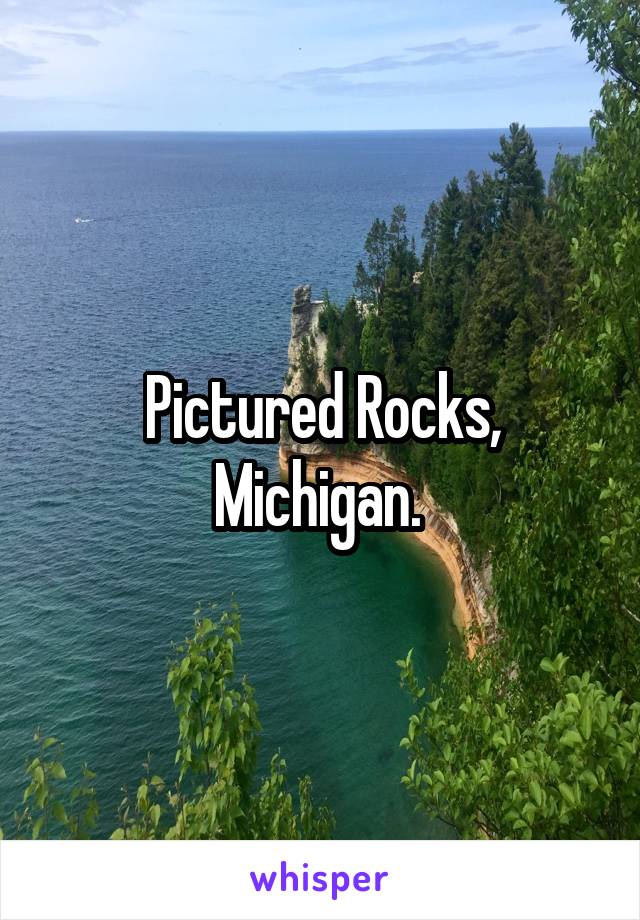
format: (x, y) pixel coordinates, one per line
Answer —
(472, 612)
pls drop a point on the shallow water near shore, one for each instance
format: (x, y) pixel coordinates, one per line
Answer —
(184, 260)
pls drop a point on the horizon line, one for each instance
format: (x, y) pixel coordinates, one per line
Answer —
(283, 130)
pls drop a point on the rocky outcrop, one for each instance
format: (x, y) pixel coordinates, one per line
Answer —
(305, 327)
(473, 613)
(305, 334)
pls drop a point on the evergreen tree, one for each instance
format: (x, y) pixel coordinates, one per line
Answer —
(440, 266)
(370, 278)
(371, 358)
(395, 329)
(520, 182)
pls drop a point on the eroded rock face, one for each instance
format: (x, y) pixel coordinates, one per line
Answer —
(302, 313)
(305, 330)
(441, 533)
(305, 317)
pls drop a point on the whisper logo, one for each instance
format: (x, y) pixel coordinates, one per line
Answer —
(334, 882)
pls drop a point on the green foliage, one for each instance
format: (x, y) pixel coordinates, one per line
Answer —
(343, 329)
(611, 29)
(308, 366)
(507, 748)
(490, 769)
(216, 793)
(520, 182)
(51, 806)
(490, 289)
(217, 721)
(571, 553)
(370, 342)
(370, 279)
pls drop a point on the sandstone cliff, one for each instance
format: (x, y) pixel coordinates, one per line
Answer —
(473, 613)
(305, 334)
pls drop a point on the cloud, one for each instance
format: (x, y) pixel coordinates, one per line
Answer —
(14, 65)
(463, 52)
(439, 46)
(74, 38)
(86, 14)
(403, 88)
(372, 66)
(521, 30)
(459, 52)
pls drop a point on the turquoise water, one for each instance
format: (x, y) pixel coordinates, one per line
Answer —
(187, 264)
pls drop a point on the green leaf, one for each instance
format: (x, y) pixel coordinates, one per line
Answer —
(59, 813)
(571, 737)
(535, 792)
(57, 771)
(586, 722)
(567, 794)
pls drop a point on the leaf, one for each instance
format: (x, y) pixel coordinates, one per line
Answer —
(571, 737)
(589, 779)
(59, 813)
(567, 794)
(57, 771)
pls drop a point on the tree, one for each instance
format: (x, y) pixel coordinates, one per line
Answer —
(520, 182)
(308, 365)
(216, 794)
(395, 329)
(480, 765)
(611, 29)
(440, 267)
(510, 746)
(401, 252)
(370, 342)
(370, 277)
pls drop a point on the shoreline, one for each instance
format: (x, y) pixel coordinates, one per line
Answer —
(440, 536)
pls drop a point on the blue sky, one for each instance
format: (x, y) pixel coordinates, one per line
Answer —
(289, 65)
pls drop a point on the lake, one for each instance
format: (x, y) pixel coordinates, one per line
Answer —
(184, 259)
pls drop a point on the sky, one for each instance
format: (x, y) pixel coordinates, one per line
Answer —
(271, 65)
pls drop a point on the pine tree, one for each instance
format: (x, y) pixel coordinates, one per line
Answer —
(440, 267)
(520, 182)
(370, 278)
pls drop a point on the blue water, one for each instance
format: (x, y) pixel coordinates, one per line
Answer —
(186, 263)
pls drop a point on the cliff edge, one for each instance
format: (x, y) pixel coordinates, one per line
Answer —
(307, 353)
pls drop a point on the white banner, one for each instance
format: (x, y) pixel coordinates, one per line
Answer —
(360, 879)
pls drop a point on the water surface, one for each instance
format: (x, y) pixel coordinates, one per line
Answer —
(186, 262)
